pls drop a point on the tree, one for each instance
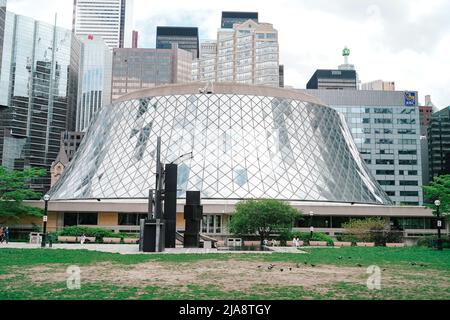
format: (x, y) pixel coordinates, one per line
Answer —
(438, 189)
(263, 218)
(14, 190)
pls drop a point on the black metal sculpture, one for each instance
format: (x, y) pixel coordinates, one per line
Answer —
(193, 213)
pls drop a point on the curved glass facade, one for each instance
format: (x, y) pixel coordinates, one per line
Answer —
(245, 146)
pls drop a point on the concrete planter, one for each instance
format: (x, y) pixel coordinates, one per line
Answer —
(112, 240)
(67, 239)
(342, 244)
(130, 240)
(365, 244)
(318, 243)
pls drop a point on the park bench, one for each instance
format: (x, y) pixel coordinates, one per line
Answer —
(342, 244)
(365, 244)
(395, 245)
(318, 243)
(65, 239)
(130, 240)
(112, 240)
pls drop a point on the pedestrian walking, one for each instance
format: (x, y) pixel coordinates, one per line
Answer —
(83, 239)
(6, 235)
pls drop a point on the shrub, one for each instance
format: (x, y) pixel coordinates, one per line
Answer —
(98, 233)
(317, 236)
(431, 242)
(370, 230)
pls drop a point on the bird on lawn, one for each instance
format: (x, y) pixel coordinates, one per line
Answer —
(271, 267)
(313, 265)
(359, 265)
(340, 258)
(290, 269)
(281, 270)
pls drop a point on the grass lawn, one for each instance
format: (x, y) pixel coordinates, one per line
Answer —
(407, 273)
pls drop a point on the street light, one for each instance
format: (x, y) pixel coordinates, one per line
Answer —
(437, 203)
(311, 228)
(44, 235)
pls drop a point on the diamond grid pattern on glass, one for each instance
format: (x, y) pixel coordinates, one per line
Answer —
(244, 147)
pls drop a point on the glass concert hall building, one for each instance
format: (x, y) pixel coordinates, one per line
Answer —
(248, 142)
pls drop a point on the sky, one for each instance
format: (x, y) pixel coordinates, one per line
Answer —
(406, 41)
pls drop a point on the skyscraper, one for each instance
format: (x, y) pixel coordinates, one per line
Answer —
(135, 40)
(186, 38)
(33, 94)
(385, 127)
(94, 82)
(333, 80)
(439, 143)
(248, 53)
(136, 69)
(110, 19)
(229, 18)
(2, 27)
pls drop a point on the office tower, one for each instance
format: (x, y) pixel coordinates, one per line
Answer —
(135, 69)
(185, 37)
(385, 126)
(110, 19)
(248, 54)
(229, 18)
(379, 85)
(333, 80)
(426, 112)
(94, 81)
(439, 143)
(2, 27)
(135, 40)
(343, 78)
(33, 94)
(281, 76)
(204, 69)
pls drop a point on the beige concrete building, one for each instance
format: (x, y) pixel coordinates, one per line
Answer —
(379, 85)
(123, 216)
(247, 54)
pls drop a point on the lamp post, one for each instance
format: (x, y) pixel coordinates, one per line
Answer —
(44, 233)
(437, 203)
(311, 228)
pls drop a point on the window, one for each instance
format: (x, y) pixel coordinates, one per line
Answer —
(406, 131)
(384, 131)
(409, 183)
(407, 162)
(76, 219)
(391, 193)
(406, 121)
(385, 162)
(386, 182)
(407, 142)
(212, 224)
(383, 121)
(384, 141)
(407, 152)
(383, 110)
(409, 194)
(386, 172)
(131, 219)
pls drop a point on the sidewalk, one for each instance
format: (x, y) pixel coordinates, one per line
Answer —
(122, 249)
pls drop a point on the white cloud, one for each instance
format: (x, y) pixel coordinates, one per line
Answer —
(404, 40)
